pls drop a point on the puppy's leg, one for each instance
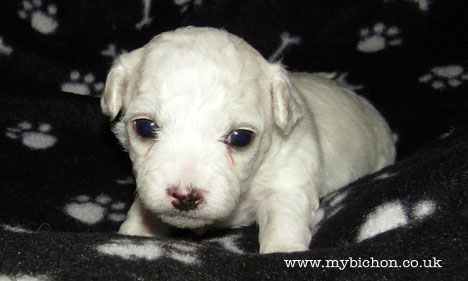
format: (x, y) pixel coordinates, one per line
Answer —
(140, 222)
(284, 220)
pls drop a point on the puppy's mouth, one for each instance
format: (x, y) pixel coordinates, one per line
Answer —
(191, 219)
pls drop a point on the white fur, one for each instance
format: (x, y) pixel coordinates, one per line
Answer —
(312, 136)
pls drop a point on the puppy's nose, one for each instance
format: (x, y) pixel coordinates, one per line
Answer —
(185, 198)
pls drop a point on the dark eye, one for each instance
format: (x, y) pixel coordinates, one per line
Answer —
(145, 128)
(239, 138)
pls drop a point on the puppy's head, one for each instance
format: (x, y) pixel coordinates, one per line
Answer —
(199, 109)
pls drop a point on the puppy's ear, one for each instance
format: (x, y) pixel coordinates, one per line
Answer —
(285, 101)
(117, 82)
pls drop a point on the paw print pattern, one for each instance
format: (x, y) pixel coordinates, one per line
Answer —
(112, 52)
(15, 229)
(92, 211)
(82, 85)
(185, 252)
(441, 77)
(5, 49)
(229, 243)
(394, 214)
(286, 40)
(423, 5)
(24, 277)
(185, 4)
(182, 251)
(42, 19)
(378, 38)
(34, 138)
(146, 20)
(126, 181)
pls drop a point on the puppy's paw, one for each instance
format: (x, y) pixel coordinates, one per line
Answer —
(133, 229)
(282, 247)
(140, 222)
(285, 239)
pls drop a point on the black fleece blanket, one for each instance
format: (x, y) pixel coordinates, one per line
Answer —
(65, 184)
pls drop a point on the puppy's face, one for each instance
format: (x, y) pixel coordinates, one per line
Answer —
(198, 114)
(194, 136)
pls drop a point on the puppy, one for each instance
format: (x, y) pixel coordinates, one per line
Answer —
(220, 137)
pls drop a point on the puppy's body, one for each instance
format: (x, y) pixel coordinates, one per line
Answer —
(236, 139)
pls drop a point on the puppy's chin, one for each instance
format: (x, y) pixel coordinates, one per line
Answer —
(185, 222)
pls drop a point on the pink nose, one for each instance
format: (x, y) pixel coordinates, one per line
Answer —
(186, 198)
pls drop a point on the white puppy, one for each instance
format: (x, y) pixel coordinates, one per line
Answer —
(219, 137)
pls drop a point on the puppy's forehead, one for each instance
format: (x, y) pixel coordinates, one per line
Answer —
(207, 42)
(201, 54)
(202, 69)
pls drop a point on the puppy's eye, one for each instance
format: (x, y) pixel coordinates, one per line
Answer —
(145, 128)
(239, 138)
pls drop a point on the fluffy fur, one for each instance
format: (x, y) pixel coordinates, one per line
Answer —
(311, 137)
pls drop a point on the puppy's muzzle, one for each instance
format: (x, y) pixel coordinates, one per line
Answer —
(185, 198)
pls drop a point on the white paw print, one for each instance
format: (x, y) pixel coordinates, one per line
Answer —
(378, 38)
(185, 4)
(42, 19)
(24, 277)
(441, 77)
(229, 243)
(92, 211)
(423, 5)
(111, 51)
(82, 85)
(286, 40)
(34, 138)
(5, 49)
(185, 252)
(394, 214)
(126, 181)
(146, 20)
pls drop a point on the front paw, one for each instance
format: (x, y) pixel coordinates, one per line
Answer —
(136, 229)
(282, 247)
(140, 222)
(285, 239)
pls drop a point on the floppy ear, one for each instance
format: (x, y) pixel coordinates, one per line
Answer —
(117, 82)
(285, 101)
